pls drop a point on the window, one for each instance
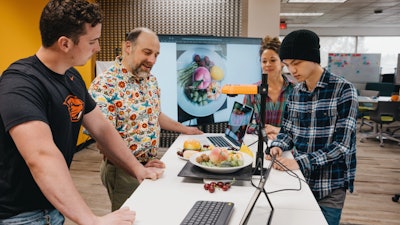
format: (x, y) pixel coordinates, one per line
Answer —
(389, 47)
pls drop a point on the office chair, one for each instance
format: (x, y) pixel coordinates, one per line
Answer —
(393, 130)
(386, 113)
(365, 108)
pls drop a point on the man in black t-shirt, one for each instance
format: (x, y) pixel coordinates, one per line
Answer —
(44, 102)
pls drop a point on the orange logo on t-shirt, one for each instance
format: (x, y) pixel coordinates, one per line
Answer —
(75, 107)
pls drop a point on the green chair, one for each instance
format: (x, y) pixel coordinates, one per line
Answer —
(386, 113)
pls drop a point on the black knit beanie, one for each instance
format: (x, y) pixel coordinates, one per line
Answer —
(301, 44)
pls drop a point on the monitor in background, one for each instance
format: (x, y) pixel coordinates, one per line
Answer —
(192, 69)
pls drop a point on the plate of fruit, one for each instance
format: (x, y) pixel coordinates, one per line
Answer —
(221, 160)
(191, 147)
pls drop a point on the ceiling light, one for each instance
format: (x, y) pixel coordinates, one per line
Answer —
(316, 1)
(301, 14)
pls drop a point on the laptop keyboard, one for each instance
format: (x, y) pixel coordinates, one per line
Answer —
(219, 141)
(209, 213)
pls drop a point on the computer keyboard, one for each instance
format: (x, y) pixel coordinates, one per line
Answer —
(209, 213)
(219, 141)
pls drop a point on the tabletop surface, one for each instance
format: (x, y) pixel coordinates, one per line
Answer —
(367, 99)
(167, 200)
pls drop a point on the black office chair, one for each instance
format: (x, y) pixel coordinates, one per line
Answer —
(365, 108)
(386, 112)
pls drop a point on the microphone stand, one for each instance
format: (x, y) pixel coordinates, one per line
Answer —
(263, 91)
(259, 167)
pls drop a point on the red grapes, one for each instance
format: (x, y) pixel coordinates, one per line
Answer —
(210, 187)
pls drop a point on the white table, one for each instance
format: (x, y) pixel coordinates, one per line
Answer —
(167, 200)
(367, 99)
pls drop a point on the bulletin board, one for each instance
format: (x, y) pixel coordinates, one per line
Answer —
(357, 68)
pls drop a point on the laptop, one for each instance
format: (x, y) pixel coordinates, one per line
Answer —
(239, 119)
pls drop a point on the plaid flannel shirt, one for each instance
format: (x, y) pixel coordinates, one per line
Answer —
(320, 127)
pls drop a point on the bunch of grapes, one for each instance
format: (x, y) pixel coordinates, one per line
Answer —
(220, 185)
(205, 61)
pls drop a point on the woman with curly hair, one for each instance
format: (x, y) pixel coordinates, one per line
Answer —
(279, 88)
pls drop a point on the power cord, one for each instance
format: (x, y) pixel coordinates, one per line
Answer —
(291, 173)
(287, 170)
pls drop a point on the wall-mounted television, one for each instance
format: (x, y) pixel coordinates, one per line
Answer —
(191, 70)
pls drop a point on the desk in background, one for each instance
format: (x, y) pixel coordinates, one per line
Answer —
(369, 103)
(167, 200)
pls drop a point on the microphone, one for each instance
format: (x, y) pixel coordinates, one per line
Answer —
(246, 89)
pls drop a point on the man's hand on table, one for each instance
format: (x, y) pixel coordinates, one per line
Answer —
(290, 164)
(155, 163)
(153, 170)
(157, 166)
(123, 216)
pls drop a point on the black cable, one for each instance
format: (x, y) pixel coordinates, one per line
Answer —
(267, 172)
(252, 143)
(289, 172)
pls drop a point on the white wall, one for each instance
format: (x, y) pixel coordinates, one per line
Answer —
(263, 18)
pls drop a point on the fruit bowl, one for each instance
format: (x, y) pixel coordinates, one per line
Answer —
(247, 160)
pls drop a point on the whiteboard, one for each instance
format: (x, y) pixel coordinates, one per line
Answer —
(355, 67)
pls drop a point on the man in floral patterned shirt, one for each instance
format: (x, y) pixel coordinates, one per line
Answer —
(130, 98)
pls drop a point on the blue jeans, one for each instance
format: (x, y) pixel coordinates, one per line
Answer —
(332, 215)
(38, 217)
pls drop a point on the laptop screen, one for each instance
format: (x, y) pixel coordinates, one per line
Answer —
(239, 120)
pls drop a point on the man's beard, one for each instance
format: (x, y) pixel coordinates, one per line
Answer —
(141, 73)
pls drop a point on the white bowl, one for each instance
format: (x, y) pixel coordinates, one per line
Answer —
(247, 160)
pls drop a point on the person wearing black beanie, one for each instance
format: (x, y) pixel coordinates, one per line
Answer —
(319, 125)
(301, 44)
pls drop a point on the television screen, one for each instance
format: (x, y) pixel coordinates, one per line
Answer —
(192, 69)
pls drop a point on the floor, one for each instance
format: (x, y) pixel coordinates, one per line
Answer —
(377, 180)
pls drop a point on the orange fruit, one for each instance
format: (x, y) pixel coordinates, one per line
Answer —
(395, 98)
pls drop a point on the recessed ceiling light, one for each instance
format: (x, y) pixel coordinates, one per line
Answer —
(316, 1)
(301, 14)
